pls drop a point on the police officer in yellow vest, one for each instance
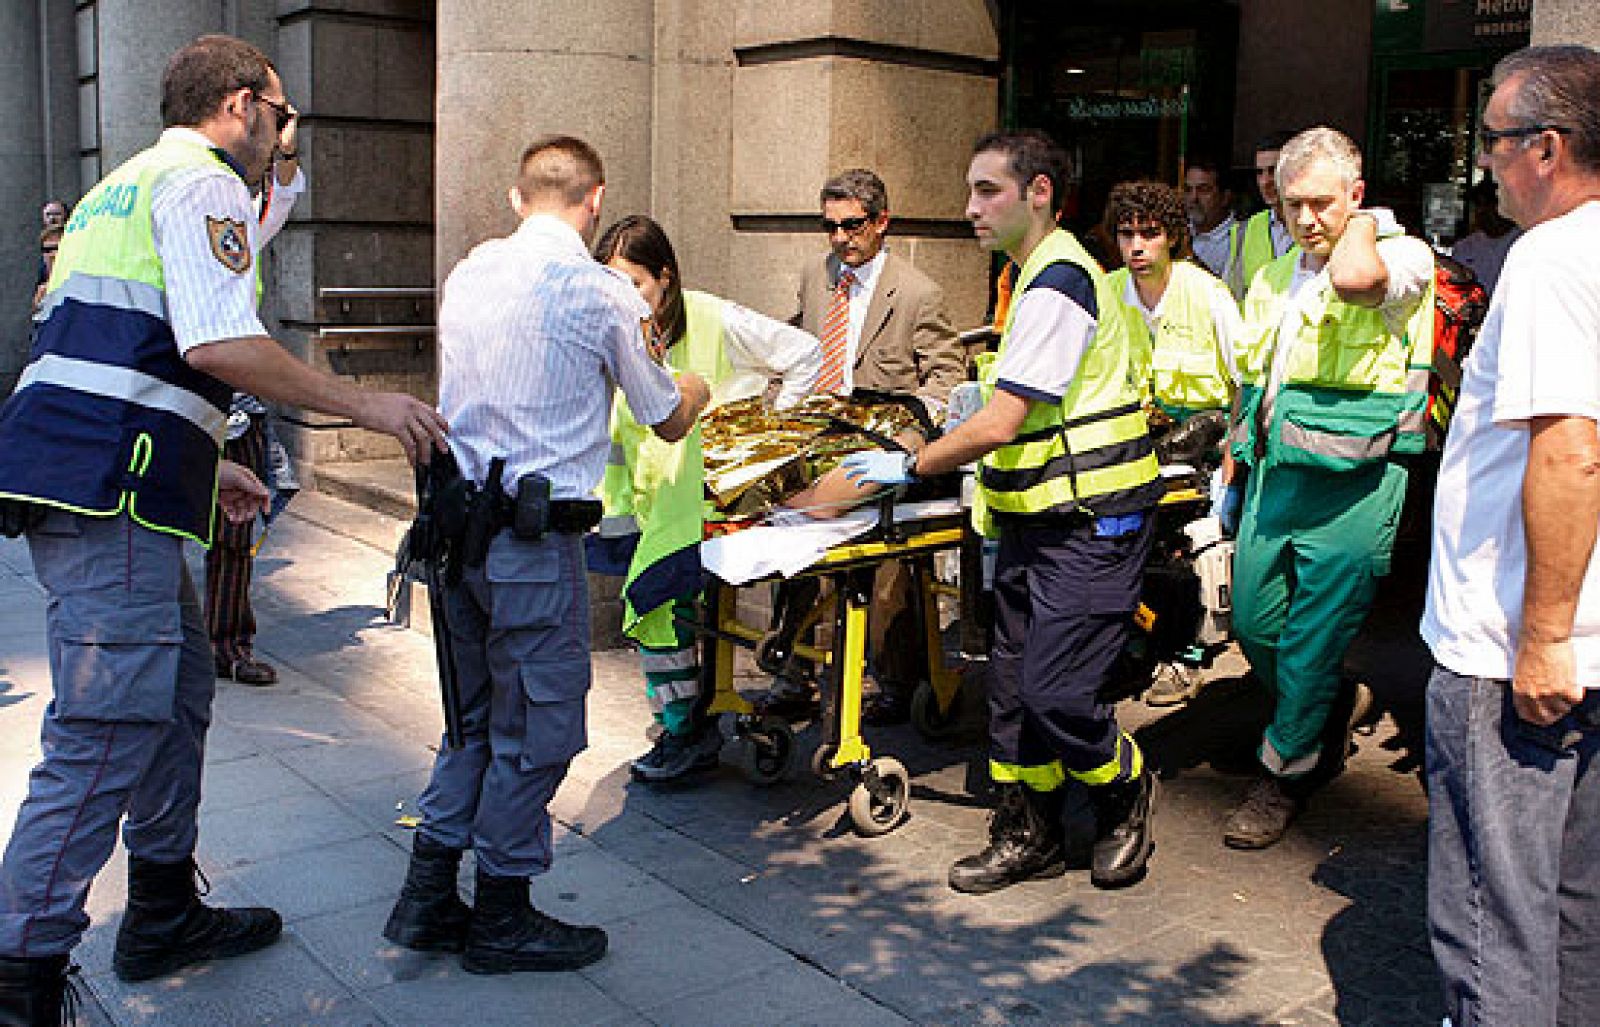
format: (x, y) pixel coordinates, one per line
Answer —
(1335, 371)
(109, 460)
(1183, 323)
(654, 490)
(1067, 481)
(1266, 237)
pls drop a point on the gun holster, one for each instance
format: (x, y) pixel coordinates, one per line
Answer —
(530, 513)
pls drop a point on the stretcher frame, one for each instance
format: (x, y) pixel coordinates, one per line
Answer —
(880, 799)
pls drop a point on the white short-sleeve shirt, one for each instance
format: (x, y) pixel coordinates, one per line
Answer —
(1538, 355)
(533, 335)
(209, 298)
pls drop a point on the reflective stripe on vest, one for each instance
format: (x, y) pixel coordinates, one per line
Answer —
(128, 385)
(108, 417)
(1101, 459)
(1353, 392)
(1182, 367)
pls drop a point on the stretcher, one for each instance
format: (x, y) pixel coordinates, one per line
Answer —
(912, 533)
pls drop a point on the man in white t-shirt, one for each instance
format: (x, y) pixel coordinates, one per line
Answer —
(1513, 611)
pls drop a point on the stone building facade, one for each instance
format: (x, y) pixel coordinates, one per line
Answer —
(721, 119)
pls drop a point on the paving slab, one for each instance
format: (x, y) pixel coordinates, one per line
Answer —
(728, 903)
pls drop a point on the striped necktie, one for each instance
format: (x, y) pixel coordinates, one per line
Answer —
(836, 336)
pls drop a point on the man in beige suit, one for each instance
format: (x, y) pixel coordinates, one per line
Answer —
(883, 329)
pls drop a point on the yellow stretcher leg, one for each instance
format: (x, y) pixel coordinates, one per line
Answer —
(850, 646)
(724, 603)
(945, 682)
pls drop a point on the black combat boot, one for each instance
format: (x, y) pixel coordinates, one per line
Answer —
(1026, 843)
(429, 915)
(167, 927)
(37, 992)
(508, 935)
(1123, 817)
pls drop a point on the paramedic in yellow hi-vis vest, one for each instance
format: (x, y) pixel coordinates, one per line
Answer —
(654, 490)
(109, 461)
(1183, 324)
(1266, 237)
(1338, 340)
(1068, 482)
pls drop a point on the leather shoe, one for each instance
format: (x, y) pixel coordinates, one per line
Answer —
(248, 670)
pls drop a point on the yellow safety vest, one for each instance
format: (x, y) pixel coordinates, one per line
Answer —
(1090, 453)
(1353, 391)
(108, 418)
(1257, 252)
(657, 488)
(1182, 368)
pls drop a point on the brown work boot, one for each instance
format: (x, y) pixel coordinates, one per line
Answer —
(1262, 819)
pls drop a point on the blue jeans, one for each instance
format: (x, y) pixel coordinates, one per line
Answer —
(1513, 857)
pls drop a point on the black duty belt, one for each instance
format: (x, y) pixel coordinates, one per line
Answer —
(574, 515)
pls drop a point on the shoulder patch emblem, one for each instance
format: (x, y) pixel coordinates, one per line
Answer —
(652, 340)
(230, 243)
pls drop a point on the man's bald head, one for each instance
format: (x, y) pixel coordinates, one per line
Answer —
(558, 172)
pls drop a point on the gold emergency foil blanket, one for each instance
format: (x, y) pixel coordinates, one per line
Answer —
(756, 457)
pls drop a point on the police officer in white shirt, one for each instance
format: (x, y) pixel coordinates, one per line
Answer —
(533, 334)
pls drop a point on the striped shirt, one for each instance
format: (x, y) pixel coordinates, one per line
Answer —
(206, 301)
(533, 336)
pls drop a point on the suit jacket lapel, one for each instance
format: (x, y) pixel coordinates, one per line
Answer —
(880, 307)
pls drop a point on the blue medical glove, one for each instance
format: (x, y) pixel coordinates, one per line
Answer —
(876, 465)
(1226, 508)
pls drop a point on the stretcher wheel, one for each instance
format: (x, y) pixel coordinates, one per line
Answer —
(930, 722)
(822, 761)
(879, 803)
(766, 751)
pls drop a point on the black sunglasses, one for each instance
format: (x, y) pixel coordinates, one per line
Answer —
(851, 225)
(284, 112)
(1487, 137)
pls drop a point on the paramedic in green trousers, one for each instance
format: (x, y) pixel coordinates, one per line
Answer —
(1334, 366)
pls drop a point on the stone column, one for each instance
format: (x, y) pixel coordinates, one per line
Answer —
(22, 180)
(134, 38)
(900, 86)
(511, 71)
(1566, 21)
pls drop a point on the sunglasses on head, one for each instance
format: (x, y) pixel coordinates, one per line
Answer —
(851, 225)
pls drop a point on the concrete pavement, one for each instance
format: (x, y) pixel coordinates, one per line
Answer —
(731, 904)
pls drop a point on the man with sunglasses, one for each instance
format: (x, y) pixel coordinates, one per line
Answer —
(884, 329)
(109, 460)
(1513, 611)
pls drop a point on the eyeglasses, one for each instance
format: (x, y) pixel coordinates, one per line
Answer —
(284, 112)
(48, 249)
(850, 225)
(1487, 137)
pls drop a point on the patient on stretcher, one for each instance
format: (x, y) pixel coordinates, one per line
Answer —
(763, 462)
